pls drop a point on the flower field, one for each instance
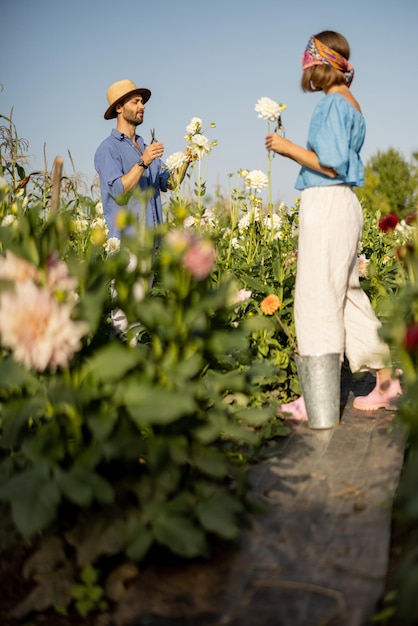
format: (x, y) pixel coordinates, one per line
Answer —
(137, 384)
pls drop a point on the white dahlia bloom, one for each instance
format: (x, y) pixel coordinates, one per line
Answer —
(362, 264)
(189, 222)
(200, 145)
(195, 126)
(257, 180)
(268, 109)
(274, 224)
(175, 160)
(241, 296)
(112, 245)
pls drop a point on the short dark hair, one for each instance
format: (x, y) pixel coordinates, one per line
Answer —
(322, 77)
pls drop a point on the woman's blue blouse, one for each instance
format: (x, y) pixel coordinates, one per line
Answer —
(336, 135)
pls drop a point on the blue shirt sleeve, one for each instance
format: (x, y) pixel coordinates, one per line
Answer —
(109, 164)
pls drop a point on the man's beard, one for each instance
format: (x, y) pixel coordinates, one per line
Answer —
(132, 119)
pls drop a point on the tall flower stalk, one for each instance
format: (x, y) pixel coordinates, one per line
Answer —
(198, 147)
(271, 111)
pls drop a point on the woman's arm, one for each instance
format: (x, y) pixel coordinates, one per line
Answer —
(304, 157)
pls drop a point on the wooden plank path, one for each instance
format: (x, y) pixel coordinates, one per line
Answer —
(317, 558)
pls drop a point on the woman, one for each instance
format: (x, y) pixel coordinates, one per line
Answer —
(332, 313)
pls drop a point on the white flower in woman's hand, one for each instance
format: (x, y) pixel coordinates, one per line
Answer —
(268, 109)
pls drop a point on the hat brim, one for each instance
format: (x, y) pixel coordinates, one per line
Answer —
(142, 91)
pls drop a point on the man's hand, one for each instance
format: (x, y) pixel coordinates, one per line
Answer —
(153, 151)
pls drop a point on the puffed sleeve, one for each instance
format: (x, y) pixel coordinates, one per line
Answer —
(329, 136)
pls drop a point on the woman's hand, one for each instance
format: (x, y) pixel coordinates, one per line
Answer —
(304, 157)
(277, 143)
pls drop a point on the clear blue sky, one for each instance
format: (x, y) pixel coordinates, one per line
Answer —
(211, 60)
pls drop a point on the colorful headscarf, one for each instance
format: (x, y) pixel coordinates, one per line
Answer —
(317, 53)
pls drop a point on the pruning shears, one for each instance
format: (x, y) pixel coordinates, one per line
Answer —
(280, 127)
(153, 135)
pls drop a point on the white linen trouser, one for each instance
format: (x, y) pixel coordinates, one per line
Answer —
(332, 312)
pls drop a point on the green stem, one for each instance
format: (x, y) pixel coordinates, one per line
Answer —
(199, 186)
(283, 327)
(269, 157)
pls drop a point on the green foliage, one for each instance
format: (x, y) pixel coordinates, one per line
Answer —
(139, 438)
(391, 184)
(88, 594)
(383, 274)
(133, 443)
(399, 331)
(256, 247)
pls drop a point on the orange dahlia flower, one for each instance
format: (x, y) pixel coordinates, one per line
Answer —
(270, 304)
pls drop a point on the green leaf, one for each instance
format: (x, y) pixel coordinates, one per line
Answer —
(48, 446)
(179, 449)
(82, 486)
(89, 575)
(155, 313)
(222, 342)
(14, 377)
(149, 405)
(210, 461)
(16, 414)
(187, 368)
(276, 268)
(74, 485)
(111, 362)
(180, 535)
(92, 303)
(101, 420)
(34, 499)
(139, 539)
(218, 514)
(255, 416)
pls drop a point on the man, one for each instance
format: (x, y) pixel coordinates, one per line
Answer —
(125, 163)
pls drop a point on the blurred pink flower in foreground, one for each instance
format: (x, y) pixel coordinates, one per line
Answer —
(199, 258)
(17, 269)
(38, 329)
(58, 277)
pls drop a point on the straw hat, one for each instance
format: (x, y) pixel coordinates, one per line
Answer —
(121, 90)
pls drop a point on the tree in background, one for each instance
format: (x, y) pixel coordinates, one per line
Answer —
(391, 184)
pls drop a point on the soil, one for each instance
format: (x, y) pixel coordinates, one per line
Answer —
(14, 587)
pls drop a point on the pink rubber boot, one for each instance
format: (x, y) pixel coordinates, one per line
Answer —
(383, 396)
(295, 410)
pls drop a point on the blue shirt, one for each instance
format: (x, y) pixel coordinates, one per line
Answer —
(115, 156)
(336, 135)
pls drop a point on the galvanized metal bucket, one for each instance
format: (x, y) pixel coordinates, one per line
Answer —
(320, 379)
